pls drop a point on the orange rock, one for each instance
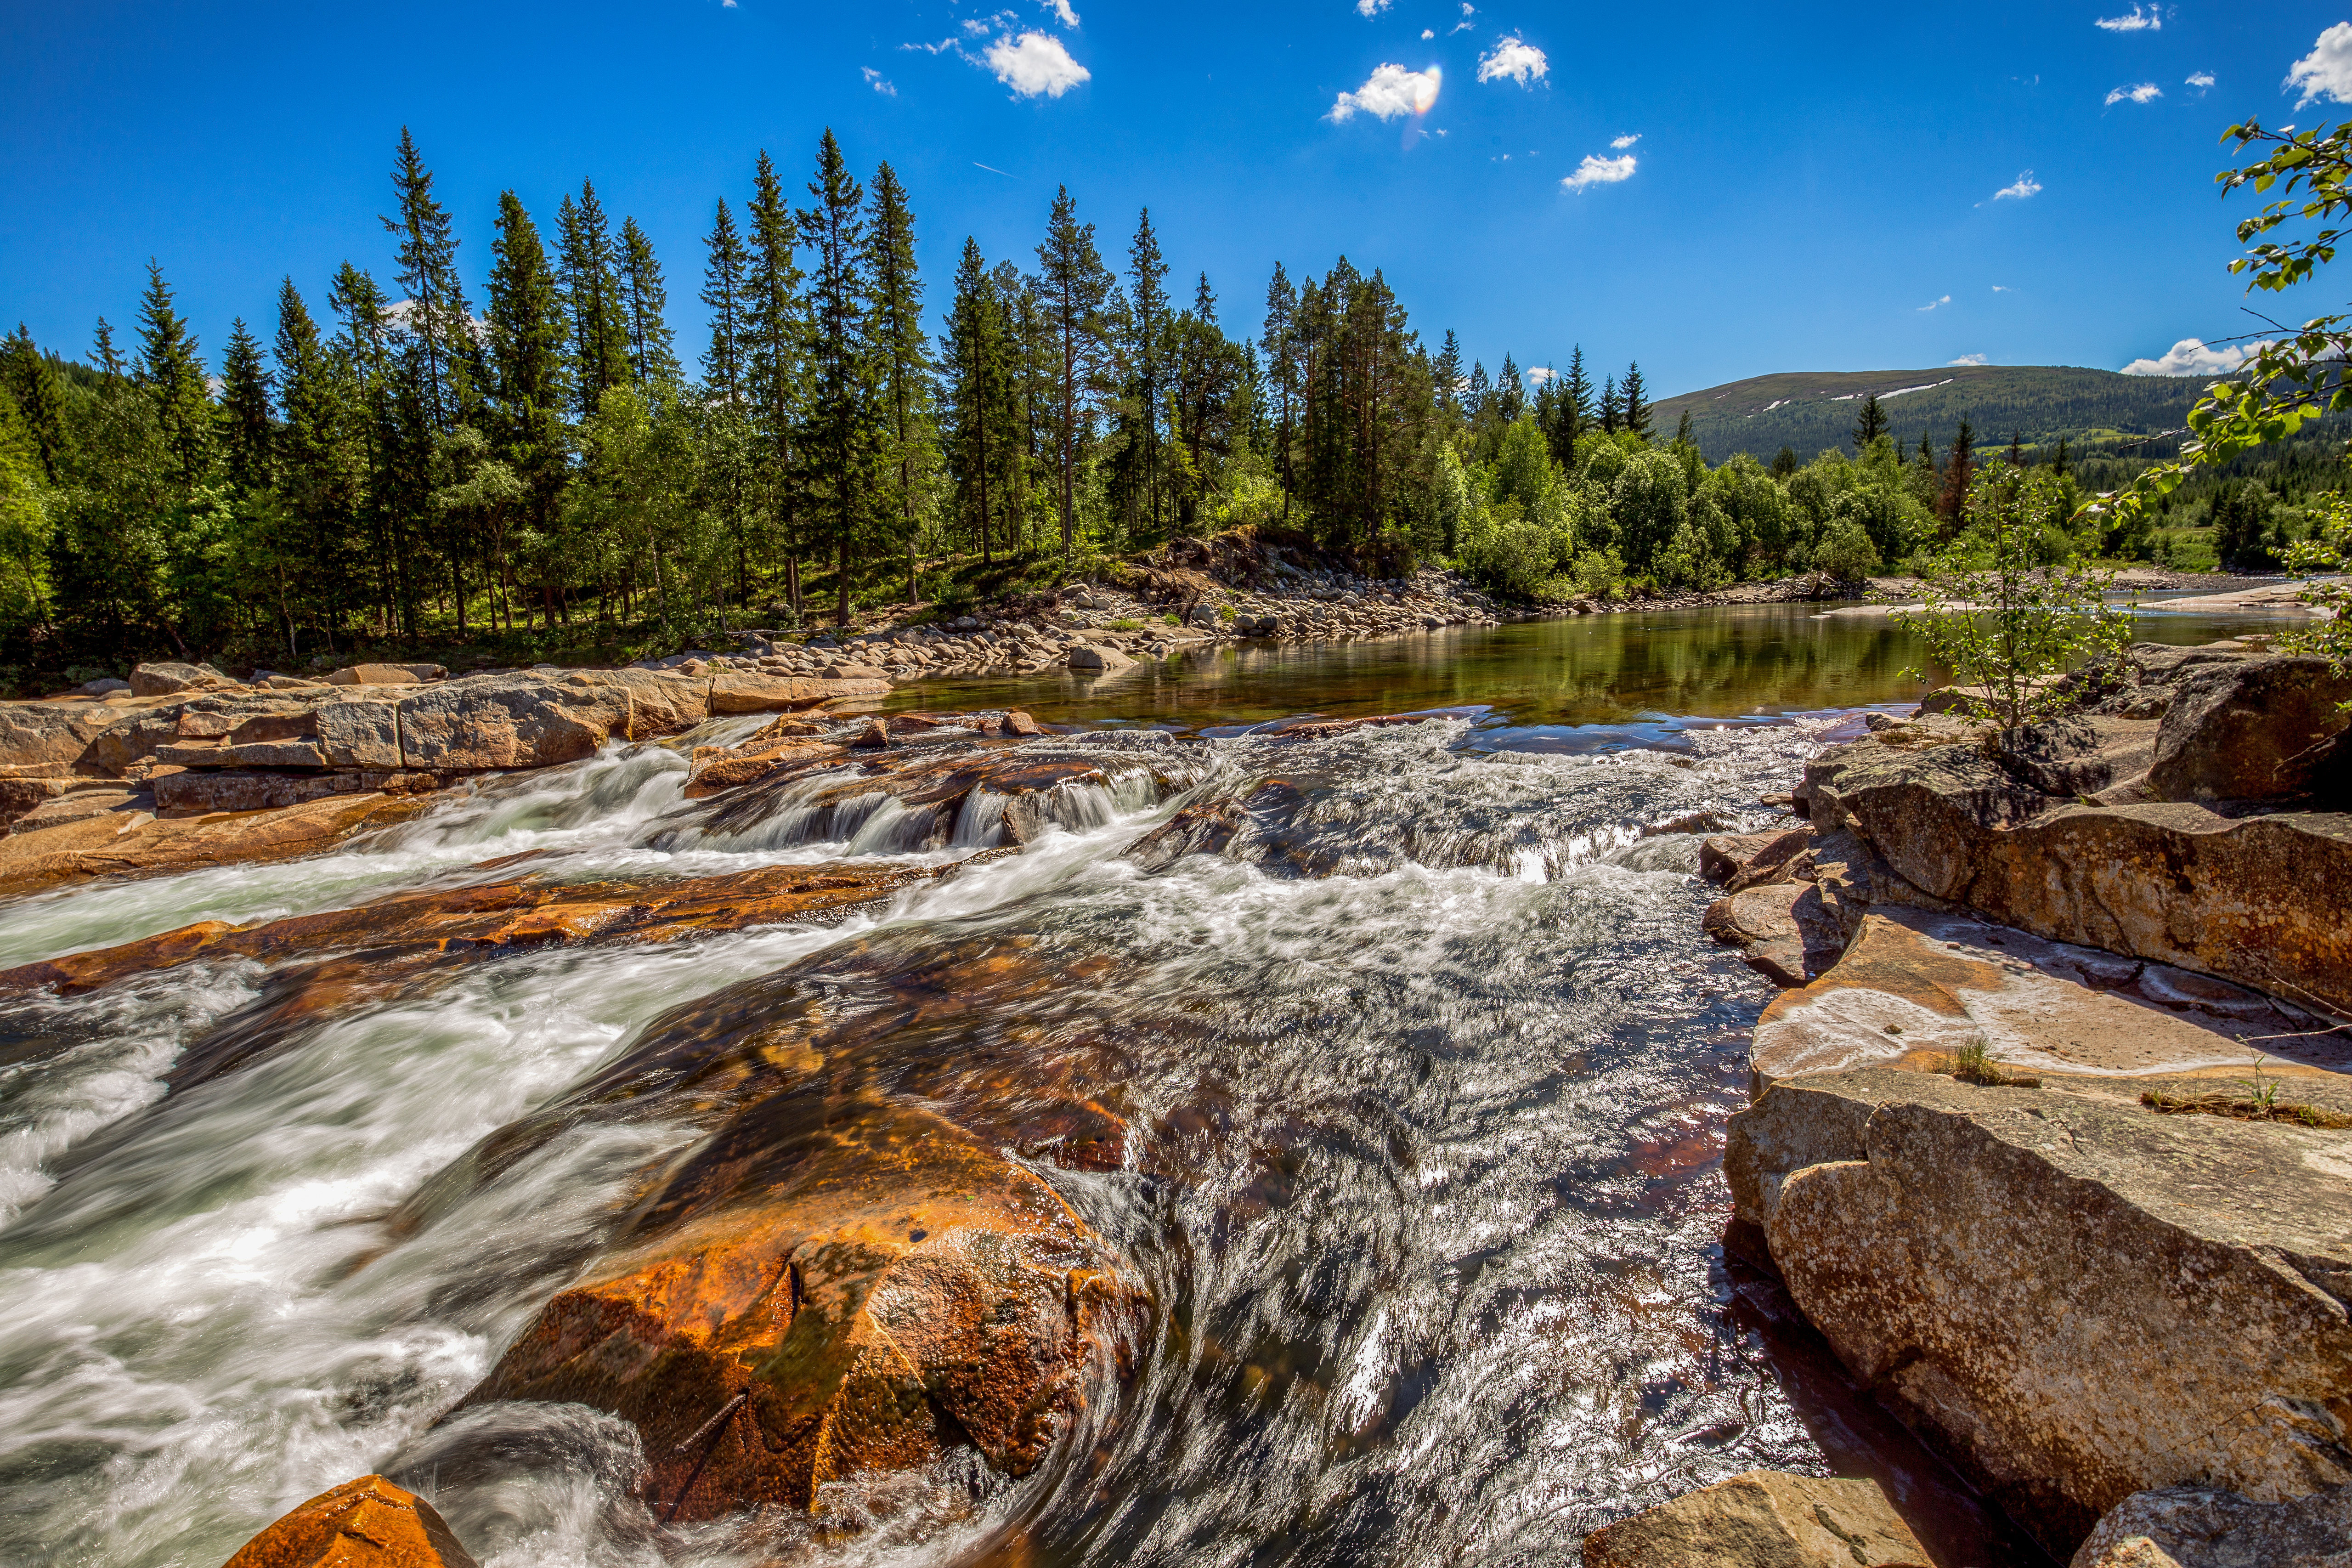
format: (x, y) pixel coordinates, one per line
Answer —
(130, 842)
(365, 1523)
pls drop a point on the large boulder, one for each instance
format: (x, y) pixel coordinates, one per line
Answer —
(35, 737)
(165, 678)
(1782, 931)
(1763, 1519)
(386, 674)
(510, 721)
(2247, 729)
(126, 841)
(757, 691)
(2200, 1526)
(2073, 1296)
(366, 1524)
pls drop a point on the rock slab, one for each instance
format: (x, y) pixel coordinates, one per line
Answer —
(1763, 1519)
(2199, 1527)
(366, 1524)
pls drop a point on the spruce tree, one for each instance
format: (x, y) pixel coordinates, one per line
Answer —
(1959, 467)
(1447, 371)
(1682, 436)
(589, 276)
(527, 333)
(902, 368)
(244, 413)
(1612, 415)
(1636, 414)
(1074, 288)
(1510, 392)
(836, 434)
(775, 323)
(322, 471)
(1476, 391)
(973, 355)
(1870, 423)
(643, 301)
(1575, 407)
(1280, 345)
(1147, 299)
(105, 355)
(31, 381)
(174, 380)
(1784, 463)
(438, 326)
(723, 290)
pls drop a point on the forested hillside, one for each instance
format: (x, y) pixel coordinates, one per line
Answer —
(1810, 410)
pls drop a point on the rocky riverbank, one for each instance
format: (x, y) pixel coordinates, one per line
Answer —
(2052, 1136)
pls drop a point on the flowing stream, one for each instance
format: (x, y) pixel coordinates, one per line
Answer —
(1428, 1202)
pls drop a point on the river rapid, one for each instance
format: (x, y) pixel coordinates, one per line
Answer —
(1425, 1189)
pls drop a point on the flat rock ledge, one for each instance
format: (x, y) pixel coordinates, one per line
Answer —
(1763, 1519)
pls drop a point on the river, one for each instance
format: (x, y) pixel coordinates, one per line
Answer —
(1428, 1204)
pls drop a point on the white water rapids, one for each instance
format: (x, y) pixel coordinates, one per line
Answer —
(1439, 1284)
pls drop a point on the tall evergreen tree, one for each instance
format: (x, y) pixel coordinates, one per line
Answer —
(1147, 299)
(1870, 423)
(1074, 288)
(724, 288)
(1959, 467)
(974, 354)
(1510, 392)
(775, 327)
(901, 366)
(643, 301)
(1573, 413)
(244, 413)
(526, 333)
(438, 327)
(590, 278)
(31, 381)
(1613, 412)
(1682, 436)
(174, 379)
(837, 436)
(1447, 368)
(322, 471)
(1637, 402)
(1281, 346)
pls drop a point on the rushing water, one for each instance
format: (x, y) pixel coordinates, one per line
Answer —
(1427, 1197)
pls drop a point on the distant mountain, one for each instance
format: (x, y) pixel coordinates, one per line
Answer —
(1811, 410)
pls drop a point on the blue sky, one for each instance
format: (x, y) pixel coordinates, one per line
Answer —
(1807, 182)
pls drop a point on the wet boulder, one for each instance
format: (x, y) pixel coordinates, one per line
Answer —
(126, 840)
(1782, 931)
(1763, 1519)
(1091, 659)
(366, 1524)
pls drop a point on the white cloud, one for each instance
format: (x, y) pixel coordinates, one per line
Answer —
(1390, 91)
(879, 82)
(2026, 185)
(1371, 7)
(1428, 33)
(1538, 374)
(2327, 71)
(1970, 359)
(1513, 57)
(2190, 357)
(1598, 171)
(1035, 64)
(1061, 12)
(1933, 304)
(1620, 142)
(1468, 11)
(2000, 287)
(2200, 80)
(2150, 20)
(2142, 93)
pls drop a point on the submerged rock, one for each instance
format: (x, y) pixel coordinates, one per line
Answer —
(2200, 1526)
(1763, 1519)
(127, 840)
(366, 1524)
(2073, 1296)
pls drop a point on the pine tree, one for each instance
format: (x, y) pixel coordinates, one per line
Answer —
(2059, 459)
(836, 436)
(1281, 345)
(1447, 372)
(438, 327)
(1870, 423)
(174, 379)
(644, 301)
(31, 381)
(323, 473)
(2016, 449)
(589, 276)
(244, 413)
(775, 325)
(104, 355)
(723, 294)
(1682, 436)
(902, 368)
(1476, 391)
(1510, 392)
(1575, 407)
(1074, 288)
(1959, 467)
(1147, 297)
(1784, 463)
(526, 333)
(1636, 414)
(974, 355)
(1612, 413)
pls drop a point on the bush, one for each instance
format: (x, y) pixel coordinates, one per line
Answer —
(1845, 551)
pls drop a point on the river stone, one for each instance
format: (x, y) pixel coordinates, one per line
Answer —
(359, 728)
(1781, 929)
(366, 1524)
(661, 702)
(2072, 1296)
(2246, 730)
(1763, 1519)
(2199, 1526)
(165, 678)
(509, 722)
(126, 841)
(194, 792)
(1916, 986)
(1090, 659)
(757, 691)
(36, 733)
(386, 674)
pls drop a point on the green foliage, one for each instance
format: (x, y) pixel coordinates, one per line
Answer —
(2328, 550)
(2001, 622)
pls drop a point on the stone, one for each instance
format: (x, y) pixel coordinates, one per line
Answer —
(165, 678)
(358, 728)
(127, 841)
(1091, 659)
(197, 792)
(1017, 722)
(386, 674)
(2243, 731)
(1915, 987)
(1780, 929)
(660, 703)
(1763, 1519)
(20, 794)
(70, 805)
(2072, 1297)
(509, 722)
(757, 691)
(874, 737)
(36, 733)
(104, 686)
(2202, 1527)
(1724, 856)
(366, 1524)
(1789, 858)
(845, 670)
